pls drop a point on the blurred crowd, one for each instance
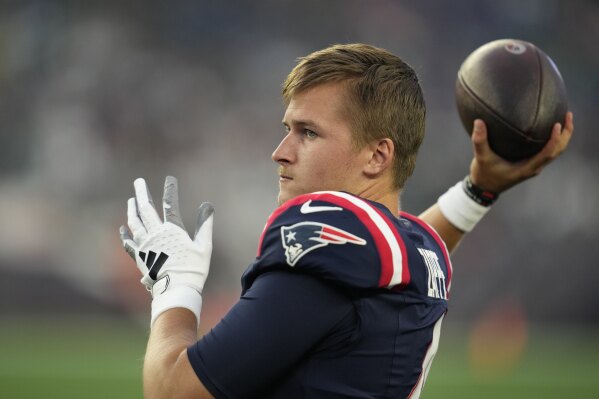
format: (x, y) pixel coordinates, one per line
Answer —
(94, 94)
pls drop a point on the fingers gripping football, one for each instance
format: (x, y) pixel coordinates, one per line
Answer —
(560, 137)
(493, 173)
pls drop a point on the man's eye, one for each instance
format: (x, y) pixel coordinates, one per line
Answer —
(310, 133)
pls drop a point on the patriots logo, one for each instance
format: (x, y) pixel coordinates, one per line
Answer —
(304, 237)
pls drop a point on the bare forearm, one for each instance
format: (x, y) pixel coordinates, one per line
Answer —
(448, 232)
(171, 334)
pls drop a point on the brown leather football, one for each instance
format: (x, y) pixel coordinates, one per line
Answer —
(517, 90)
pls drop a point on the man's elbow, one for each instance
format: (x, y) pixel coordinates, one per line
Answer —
(173, 380)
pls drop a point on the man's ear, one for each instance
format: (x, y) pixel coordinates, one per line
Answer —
(382, 153)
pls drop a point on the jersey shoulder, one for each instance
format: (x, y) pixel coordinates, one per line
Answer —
(334, 235)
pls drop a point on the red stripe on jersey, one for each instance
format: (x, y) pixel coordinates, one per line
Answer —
(439, 241)
(405, 269)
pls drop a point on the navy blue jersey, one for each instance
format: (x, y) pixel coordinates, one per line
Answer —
(344, 299)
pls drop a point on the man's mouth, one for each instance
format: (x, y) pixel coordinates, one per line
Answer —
(283, 176)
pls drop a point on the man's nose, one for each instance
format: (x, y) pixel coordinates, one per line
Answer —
(284, 153)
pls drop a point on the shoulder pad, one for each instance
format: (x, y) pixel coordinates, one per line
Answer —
(334, 235)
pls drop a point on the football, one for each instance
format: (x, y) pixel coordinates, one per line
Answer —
(517, 90)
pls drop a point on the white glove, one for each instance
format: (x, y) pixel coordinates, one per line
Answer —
(174, 266)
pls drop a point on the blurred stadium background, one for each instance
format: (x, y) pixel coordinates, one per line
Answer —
(94, 94)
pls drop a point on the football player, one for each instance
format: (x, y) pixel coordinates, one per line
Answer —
(347, 294)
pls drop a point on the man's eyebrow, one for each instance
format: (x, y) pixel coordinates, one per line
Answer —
(303, 122)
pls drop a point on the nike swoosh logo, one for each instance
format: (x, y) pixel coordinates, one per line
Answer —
(308, 208)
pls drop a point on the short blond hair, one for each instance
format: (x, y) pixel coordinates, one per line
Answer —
(385, 99)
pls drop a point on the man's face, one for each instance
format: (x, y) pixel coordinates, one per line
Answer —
(316, 153)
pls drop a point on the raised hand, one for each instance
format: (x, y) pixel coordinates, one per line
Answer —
(493, 173)
(174, 266)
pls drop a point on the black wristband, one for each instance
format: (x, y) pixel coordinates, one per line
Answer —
(480, 196)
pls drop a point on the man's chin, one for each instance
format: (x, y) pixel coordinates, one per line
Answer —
(281, 199)
(285, 196)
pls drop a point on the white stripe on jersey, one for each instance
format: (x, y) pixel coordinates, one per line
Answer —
(428, 360)
(384, 229)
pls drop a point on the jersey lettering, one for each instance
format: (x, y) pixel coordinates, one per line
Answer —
(436, 277)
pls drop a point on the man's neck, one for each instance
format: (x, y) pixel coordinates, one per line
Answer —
(388, 198)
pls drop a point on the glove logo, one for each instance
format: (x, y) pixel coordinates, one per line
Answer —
(304, 237)
(153, 263)
(160, 286)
